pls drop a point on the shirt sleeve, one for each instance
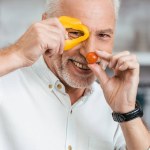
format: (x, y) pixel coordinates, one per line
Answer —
(119, 140)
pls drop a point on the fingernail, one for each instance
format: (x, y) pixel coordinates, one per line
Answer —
(103, 65)
(66, 36)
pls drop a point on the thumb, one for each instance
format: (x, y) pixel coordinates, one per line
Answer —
(100, 73)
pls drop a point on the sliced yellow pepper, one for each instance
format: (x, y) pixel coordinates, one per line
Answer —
(76, 24)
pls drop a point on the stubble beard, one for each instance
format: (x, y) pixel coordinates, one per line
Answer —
(71, 79)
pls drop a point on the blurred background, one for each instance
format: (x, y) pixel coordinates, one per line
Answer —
(133, 33)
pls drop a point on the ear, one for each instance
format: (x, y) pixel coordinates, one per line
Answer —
(44, 16)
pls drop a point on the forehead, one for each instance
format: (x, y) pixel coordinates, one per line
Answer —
(93, 13)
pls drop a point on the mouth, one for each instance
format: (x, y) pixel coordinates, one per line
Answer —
(80, 65)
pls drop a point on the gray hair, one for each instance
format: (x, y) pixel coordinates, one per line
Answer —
(54, 7)
(117, 6)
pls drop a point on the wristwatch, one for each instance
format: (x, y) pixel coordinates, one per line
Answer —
(137, 112)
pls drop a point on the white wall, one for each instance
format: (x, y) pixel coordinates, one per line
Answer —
(16, 16)
(134, 26)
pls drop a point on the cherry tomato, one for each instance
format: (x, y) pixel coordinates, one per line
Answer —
(91, 58)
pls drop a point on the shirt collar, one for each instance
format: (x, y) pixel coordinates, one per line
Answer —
(42, 70)
(51, 79)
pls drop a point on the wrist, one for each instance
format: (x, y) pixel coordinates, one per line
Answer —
(8, 61)
(125, 108)
(16, 57)
(13, 58)
(124, 117)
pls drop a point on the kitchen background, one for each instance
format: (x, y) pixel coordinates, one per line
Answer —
(133, 33)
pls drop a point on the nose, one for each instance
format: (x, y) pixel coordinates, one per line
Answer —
(88, 46)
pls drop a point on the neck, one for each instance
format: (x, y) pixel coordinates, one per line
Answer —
(74, 93)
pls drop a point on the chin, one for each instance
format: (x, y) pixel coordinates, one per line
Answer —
(78, 82)
(72, 75)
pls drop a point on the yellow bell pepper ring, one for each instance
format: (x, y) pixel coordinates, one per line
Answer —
(73, 23)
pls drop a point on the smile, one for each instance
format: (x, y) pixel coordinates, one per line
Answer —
(80, 66)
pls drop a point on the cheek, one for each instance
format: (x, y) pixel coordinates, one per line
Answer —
(60, 61)
(55, 63)
(106, 48)
(66, 56)
(105, 45)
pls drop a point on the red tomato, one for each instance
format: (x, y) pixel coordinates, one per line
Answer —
(91, 58)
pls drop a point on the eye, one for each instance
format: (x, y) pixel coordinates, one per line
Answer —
(73, 34)
(104, 36)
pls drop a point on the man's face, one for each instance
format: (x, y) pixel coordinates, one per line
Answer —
(99, 16)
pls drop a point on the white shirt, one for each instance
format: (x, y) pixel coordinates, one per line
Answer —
(36, 114)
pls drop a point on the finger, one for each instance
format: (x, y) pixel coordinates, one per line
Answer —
(66, 35)
(56, 46)
(104, 64)
(54, 22)
(100, 73)
(44, 28)
(47, 28)
(123, 67)
(39, 26)
(52, 37)
(50, 52)
(61, 39)
(59, 35)
(128, 65)
(114, 59)
(122, 60)
(125, 59)
(62, 44)
(52, 43)
(104, 55)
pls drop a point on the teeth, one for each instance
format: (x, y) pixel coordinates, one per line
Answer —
(81, 66)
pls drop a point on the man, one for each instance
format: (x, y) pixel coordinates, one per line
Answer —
(55, 104)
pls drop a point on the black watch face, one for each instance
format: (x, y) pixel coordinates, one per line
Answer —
(118, 117)
(121, 118)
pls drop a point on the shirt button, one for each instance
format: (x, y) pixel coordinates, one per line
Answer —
(50, 86)
(59, 86)
(69, 147)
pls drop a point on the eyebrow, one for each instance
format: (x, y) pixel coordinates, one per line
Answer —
(110, 31)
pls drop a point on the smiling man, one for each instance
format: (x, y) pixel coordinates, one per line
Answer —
(54, 103)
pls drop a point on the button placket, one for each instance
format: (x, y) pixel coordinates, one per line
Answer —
(71, 133)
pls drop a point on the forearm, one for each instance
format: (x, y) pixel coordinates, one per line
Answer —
(136, 135)
(9, 60)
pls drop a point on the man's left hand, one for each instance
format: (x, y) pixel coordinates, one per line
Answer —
(121, 89)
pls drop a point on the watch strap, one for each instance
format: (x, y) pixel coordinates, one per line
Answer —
(137, 112)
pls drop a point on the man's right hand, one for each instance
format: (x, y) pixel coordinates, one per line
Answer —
(46, 36)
